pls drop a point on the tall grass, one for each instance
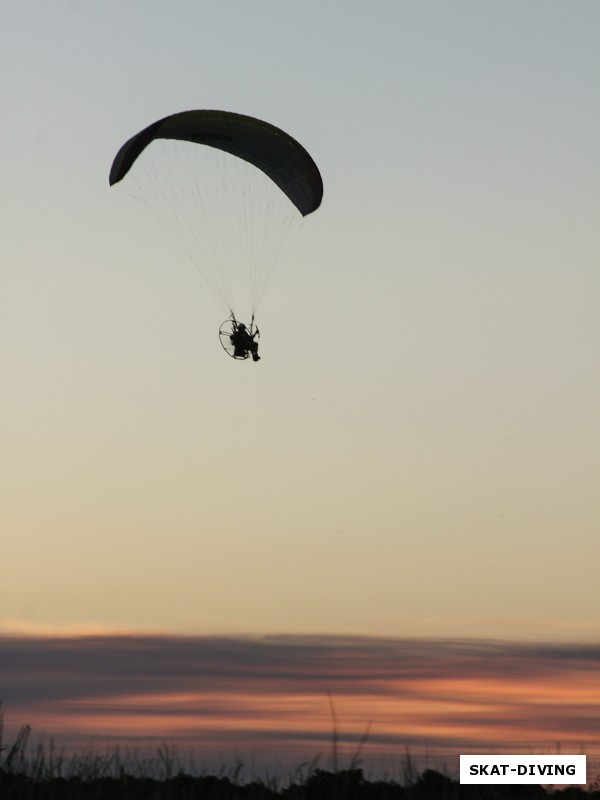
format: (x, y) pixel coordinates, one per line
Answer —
(38, 771)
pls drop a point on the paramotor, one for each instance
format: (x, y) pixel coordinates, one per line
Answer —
(230, 188)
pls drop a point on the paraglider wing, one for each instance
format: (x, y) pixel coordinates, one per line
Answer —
(268, 148)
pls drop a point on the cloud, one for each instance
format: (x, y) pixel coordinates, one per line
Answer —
(270, 694)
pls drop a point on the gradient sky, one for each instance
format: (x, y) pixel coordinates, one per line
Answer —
(420, 457)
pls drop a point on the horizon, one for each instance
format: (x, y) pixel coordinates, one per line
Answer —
(275, 701)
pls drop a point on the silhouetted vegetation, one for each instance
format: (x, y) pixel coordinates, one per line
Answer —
(39, 773)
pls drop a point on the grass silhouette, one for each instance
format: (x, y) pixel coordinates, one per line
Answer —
(42, 772)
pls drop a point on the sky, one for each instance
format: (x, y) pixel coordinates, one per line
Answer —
(416, 456)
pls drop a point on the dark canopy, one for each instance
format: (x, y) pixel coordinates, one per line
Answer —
(270, 149)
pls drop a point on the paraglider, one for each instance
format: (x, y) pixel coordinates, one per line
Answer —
(231, 189)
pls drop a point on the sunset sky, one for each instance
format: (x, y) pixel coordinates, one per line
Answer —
(412, 470)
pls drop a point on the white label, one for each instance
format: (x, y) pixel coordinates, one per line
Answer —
(523, 769)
